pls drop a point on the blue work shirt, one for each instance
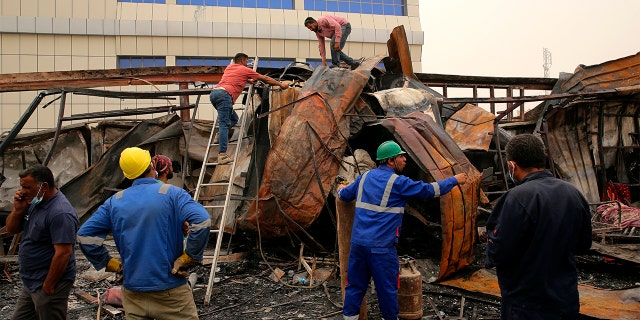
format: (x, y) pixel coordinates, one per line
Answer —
(381, 197)
(50, 222)
(146, 221)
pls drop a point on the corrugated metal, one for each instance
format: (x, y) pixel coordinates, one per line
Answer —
(575, 150)
(438, 155)
(619, 73)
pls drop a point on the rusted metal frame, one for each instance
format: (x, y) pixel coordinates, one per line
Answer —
(492, 95)
(24, 118)
(545, 137)
(509, 105)
(496, 131)
(607, 202)
(527, 83)
(185, 157)
(111, 77)
(63, 100)
(475, 91)
(603, 173)
(521, 106)
(137, 94)
(124, 112)
(184, 101)
(583, 95)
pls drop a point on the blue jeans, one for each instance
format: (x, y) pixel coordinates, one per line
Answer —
(381, 264)
(336, 57)
(227, 117)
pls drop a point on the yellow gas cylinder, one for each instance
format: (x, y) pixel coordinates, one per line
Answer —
(410, 291)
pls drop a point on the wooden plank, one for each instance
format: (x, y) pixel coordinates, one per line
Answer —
(85, 296)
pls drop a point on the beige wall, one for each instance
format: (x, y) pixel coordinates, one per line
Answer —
(62, 35)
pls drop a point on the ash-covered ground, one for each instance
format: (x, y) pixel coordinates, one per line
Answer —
(246, 291)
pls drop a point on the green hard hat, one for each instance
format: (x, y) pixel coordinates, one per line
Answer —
(388, 149)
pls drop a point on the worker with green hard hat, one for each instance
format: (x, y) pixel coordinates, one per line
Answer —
(381, 195)
(146, 221)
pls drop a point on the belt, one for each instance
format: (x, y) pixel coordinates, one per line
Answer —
(223, 89)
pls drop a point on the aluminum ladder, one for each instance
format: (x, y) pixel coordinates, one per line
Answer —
(227, 185)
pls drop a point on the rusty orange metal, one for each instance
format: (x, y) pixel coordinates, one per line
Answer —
(594, 302)
(304, 159)
(438, 155)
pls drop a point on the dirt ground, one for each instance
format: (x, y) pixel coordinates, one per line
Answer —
(245, 290)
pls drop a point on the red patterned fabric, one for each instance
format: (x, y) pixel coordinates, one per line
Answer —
(626, 216)
(619, 192)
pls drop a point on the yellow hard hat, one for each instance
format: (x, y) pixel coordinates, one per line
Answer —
(134, 162)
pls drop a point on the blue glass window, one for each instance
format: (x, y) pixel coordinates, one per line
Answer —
(203, 61)
(313, 63)
(385, 7)
(270, 4)
(274, 62)
(144, 1)
(141, 61)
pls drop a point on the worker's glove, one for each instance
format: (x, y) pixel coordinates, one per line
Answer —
(114, 265)
(182, 264)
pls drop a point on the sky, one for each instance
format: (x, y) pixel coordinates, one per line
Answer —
(506, 37)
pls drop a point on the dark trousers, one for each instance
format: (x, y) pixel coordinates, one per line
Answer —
(512, 312)
(39, 305)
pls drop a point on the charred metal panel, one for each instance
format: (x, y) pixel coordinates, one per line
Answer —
(86, 191)
(277, 103)
(438, 155)
(471, 128)
(593, 143)
(614, 74)
(569, 150)
(302, 164)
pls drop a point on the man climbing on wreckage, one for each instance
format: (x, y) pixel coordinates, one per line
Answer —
(381, 195)
(146, 221)
(226, 92)
(534, 231)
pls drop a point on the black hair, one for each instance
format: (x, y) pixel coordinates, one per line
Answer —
(308, 20)
(527, 150)
(145, 173)
(240, 56)
(40, 174)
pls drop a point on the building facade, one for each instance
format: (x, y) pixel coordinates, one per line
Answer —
(64, 35)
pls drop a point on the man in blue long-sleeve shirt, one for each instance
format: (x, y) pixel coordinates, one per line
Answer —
(381, 195)
(146, 221)
(533, 233)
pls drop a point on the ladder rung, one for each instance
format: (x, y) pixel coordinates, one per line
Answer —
(214, 206)
(215, 163)
(230, 143)
(214, 184)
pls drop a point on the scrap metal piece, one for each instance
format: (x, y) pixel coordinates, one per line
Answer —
(471, 128)
(594, 302)
(438, 155)
(304, 160)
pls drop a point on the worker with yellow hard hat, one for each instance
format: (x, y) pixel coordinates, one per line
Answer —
(146, 221)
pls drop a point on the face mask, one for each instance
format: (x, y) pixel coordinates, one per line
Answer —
(37, 199)
(510, 173)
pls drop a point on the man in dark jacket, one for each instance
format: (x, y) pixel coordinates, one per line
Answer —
(534, 232)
